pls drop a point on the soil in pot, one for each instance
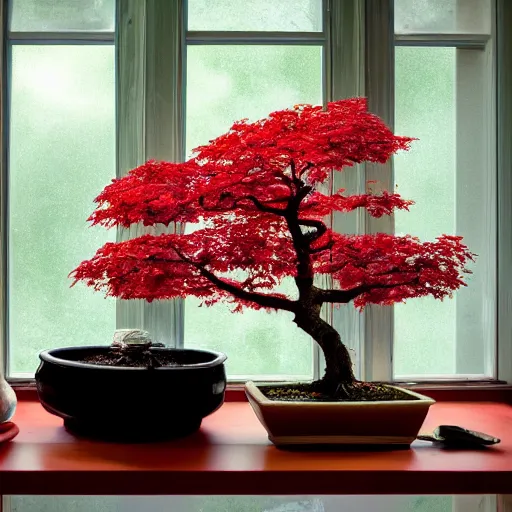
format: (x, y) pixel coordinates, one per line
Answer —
(137, 358)
(115, 359)
(355, 392)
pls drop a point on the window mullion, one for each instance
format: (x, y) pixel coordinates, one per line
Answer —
(345, 79)
(253, 37)
(476, 193)
(504, 154)
(380, 56)
(442, 40)
(3, 203)
(150, 40)
(69, 37)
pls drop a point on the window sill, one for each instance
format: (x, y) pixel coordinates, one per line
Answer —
(232, 455)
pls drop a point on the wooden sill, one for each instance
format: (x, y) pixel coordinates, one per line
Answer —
(232, 455)
(443, 392)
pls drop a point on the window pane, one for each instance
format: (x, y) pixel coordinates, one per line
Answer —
(440, 100)
(257, 15)
(226, 83)
(61, 155)
(62, 15)
(443, 16)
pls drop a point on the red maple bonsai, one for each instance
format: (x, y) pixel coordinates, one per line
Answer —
(255, 189)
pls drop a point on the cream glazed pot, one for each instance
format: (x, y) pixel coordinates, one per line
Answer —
(396, 422)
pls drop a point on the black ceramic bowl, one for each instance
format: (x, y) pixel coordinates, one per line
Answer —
(131, 404)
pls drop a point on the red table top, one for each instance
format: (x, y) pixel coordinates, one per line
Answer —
(232, 455)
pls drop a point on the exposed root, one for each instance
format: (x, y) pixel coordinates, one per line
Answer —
(136, 355)
(353, 390)
(342, 391)
(337, 391)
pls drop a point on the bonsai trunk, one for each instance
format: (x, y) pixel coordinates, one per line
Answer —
(338, 370)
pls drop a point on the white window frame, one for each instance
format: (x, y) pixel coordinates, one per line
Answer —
(159, 109)
(504, 201)
(471, 111)
(8, 39)
(358, 60)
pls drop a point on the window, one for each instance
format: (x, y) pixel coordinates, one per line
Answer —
(229, 78)
(444, 95)
(61, 145)
(186, 70)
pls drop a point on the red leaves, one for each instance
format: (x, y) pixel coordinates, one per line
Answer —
(394, 268)
(253, 189)
(320, 205)
(156, 192)
(169, 266)
(317, 141)
(162, 193)
(252, 159)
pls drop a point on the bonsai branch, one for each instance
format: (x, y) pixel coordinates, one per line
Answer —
(345, 296)
(321, 228)
(301, 241)
(263, 300)
(296, 176)
(293, 170)
(328, 245)
(302, 191)
(305, 169)
(260, 205)
(301, 246)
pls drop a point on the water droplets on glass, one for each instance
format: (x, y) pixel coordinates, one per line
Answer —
(255, 15)
(226, 83)
(61, 155)
(443, 16)
(62, 15)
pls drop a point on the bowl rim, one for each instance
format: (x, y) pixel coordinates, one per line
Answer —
(47, 356)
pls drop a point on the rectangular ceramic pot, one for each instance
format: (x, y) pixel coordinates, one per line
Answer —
(352, 423)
